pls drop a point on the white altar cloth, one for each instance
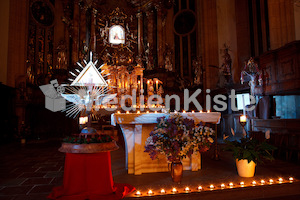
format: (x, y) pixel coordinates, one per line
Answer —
(136, 128)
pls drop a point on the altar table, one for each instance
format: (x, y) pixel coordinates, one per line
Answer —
(88, 176)
(136, 129)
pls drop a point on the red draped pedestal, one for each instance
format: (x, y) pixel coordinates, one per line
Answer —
(88, 176)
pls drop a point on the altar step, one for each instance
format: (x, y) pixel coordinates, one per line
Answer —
(290, 191)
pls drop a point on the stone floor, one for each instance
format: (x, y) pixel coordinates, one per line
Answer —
(30, 172)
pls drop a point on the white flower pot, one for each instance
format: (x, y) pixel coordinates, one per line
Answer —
(244, 168)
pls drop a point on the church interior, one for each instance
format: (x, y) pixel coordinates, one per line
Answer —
(63, 61)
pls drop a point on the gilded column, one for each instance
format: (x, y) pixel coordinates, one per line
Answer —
(93, 31)
(140, 32)
(75, 34)
(160, 41)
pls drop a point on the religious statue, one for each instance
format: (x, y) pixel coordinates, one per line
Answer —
(150, 88)
(226, 66)
(197, 65)
(149, 57)
(251, 69)
(160, 91)
(168, 58)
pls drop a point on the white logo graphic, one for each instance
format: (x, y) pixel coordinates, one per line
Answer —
(53, 99)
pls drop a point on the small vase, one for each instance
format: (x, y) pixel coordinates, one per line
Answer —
(244, 168)
(176, 171)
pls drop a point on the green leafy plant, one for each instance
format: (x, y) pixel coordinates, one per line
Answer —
(250, 149)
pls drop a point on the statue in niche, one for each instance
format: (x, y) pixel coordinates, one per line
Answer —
(61, 50)
(149, 57)
(150, 88)
(168, 58)
(139, 60)
(226, 66)
(160, 91)
(197, 65)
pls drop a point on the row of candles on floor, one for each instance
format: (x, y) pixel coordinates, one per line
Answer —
(213, 187)
(138, 112)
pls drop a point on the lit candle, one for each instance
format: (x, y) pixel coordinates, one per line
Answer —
(253, 183)
(138, 193)
(156, 85)
(199, 187)
(211, 186)
(127, 112)
(187, 189)
(147, 111)
(174, 190)
(280, 180)
(222, 185)
(201, 111)
(162, 191)
(262, 182)
(150, 192)
(183, 111)
(231, 184)
(242, 184)
(208, 111)
(155, 111)
(118, 112)
(193, 111)
(271, 181)
(291, 179)
(243, 118)
(138, 112)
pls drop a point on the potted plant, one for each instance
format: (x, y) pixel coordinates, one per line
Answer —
(177, 137)
(247, 152)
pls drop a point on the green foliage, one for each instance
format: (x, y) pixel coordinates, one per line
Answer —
(250, 149)
(82, 140)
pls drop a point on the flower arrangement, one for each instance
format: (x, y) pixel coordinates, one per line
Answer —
(177, 137)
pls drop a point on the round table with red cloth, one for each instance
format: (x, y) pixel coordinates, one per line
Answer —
(88, 176)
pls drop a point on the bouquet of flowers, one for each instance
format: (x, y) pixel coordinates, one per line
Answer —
(177, 137)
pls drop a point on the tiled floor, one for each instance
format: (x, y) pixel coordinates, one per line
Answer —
(31, 171)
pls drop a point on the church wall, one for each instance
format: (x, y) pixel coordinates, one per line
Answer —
(297, 20)
(4, 21)
(282, 23)
(210, 42)
(16, 65)
(242, 36)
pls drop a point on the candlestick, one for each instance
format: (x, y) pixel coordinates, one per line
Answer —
(243, 104)
(243, 121)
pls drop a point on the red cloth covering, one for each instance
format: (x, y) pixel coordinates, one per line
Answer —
(88, 176)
